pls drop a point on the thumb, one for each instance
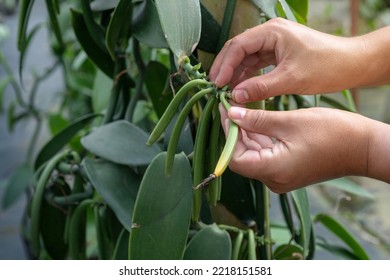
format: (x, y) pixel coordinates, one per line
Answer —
(270, 123)
(262, 87)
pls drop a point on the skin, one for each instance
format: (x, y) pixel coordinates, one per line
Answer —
(292, 149)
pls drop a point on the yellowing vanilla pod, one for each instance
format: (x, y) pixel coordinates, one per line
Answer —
(228, 149)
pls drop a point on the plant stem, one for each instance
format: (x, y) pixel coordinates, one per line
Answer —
(138, 88)
(267, 223)
(266, 205)
(135, 97)
(34, 139)
(116, 90)
(37, 82)
(317, 98)
(14, 84)
(226, 23)
(72, 199)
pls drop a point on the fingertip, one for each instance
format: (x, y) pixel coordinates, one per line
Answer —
(219, 81)
(213, 74)
(240, 95)
(236, 113)
(224, 76)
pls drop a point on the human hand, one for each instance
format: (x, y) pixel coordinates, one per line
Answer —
(307, 62)
(291, 149)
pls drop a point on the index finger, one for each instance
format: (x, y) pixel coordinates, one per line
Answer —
(235, 50)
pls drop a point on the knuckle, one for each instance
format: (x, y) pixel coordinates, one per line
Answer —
(262, 90)
(278, 21)
(235, 42)
(227, 43)
(258, 118)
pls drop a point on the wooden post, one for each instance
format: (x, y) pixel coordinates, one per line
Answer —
(245, 16)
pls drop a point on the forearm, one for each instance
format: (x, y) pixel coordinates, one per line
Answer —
(374, 59)
(378, 162)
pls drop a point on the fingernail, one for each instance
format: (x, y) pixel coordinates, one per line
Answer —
(217, 81)
(237, 113)
(240, 95)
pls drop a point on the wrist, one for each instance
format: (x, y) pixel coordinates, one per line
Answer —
(374, 61)
(378, 158)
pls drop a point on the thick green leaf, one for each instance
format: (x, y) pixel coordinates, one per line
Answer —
(53, 224)
(349, 186)
(119, 28)
(266, 6)
(62, 138)
(280, 234)
(300, 7)
(162, 211)
(351, 103)
(17, 185)
(181, 22)
(95, 30)
(121, 251)
(301, 202)
(57, 123)
(341, 232)
(285, 10)
(157, 83)
(101, 92)
(334, 103)
(117, 184)
(121, 142)
(52, 7)
(288, 252)
(101, 58)
(210, 31)
(146, 25)
(210, 243)
(25, 7)
(26, 43)
(237, 196)
(336, 250)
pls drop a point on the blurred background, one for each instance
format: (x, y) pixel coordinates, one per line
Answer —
(368, 218)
